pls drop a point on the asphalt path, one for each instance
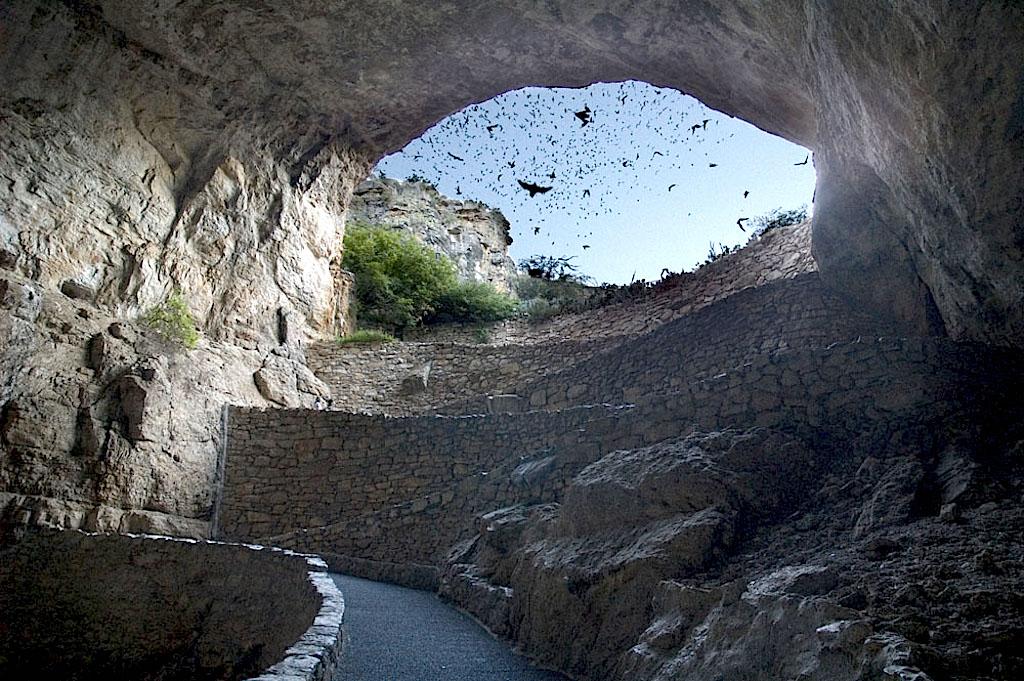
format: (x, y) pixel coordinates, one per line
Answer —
(398, 634)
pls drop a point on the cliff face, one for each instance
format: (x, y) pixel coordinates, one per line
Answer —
(213, 147)
(104, 425)
(127, 126)
(475, 236)
(122, 178)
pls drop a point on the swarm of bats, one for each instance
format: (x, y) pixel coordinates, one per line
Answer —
(655, 114)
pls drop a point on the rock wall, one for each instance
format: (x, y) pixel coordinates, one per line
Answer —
(830, 542)
(913, 111)
(475, 236)
(748, 554)
(791, 313)
(404, 378)
(154, 608)
(197, 146)
(403, 490)
(125, 176)
(107, 426)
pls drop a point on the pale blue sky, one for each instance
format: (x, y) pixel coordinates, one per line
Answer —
(610, 189)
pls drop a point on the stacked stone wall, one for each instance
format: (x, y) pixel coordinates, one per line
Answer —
(782, 253)
(287, 469)
(456, 378)
(517, 354)
(787, 314)
(86, 606)
(407, 378)
(376, 490)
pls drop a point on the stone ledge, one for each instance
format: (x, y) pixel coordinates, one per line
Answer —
(72, 573)
(315, 656)
(411, 575)
(18, 509)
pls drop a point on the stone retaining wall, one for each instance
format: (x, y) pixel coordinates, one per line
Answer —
(780, 254)
(385, 378)
(86, 606)
(299, 469)
(401, 491)
(787, 314)
(408, 378)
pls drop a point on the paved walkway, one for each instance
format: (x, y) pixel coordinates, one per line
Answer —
(398, 634)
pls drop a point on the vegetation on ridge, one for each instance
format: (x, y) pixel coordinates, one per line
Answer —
(762, 223)
(364, 336)
(401, 283)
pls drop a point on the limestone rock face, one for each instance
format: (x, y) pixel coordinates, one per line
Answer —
(213, 147)
(475, 236)
(125, 178)
(627, 522)
(748, 554)
(104, 425)
(199, 142)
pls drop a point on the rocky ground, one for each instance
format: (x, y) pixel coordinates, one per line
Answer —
(772, 554)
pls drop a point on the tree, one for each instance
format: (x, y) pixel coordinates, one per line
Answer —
(401, 283)
(398, 279)
(549, 268)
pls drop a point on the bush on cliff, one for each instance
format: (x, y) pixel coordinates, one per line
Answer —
(777, 218)
(401, 283)
(173, 320)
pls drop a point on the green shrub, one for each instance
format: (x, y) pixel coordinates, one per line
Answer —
(401, 283)
(777, 218)
(545, 298)
(366, 336)
(722, 250)
(473, 302)
(482, 334)
(172, 320)
(550, 268)
(398, 279)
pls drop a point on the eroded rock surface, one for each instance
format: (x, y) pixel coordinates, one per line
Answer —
(214, 147)
(752, 555)
(474, 235)
(914, 113)
(106, 425)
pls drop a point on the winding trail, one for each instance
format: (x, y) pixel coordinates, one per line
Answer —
(398, 634)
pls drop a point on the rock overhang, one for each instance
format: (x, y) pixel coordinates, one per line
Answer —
(913, 111)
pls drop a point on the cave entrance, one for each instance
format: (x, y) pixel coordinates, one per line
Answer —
(626, 180)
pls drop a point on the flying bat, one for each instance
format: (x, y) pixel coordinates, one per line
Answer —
(534, 189)
(803, 162)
